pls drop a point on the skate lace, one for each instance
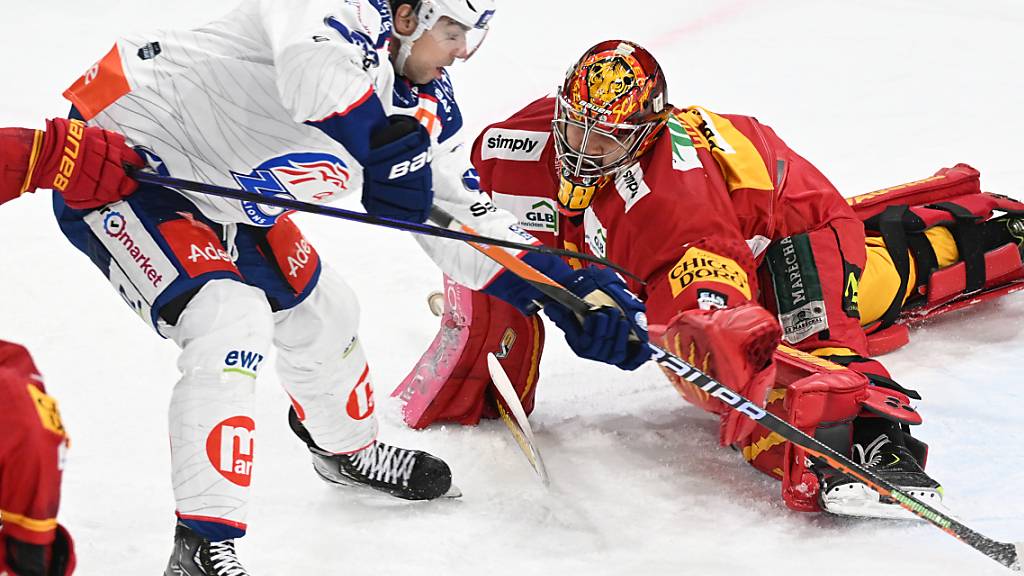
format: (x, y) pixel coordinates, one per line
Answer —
(872, 454)
(224, 560)
(385, 463)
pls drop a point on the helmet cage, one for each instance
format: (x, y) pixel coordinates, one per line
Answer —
(582, 168)
(615, 93)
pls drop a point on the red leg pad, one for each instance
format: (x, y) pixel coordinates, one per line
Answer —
(450, 382)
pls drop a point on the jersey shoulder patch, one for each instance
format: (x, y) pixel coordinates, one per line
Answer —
(516, 145)
(46, 407)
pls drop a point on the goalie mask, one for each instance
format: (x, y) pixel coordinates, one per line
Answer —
(471, 16)
(609, 111)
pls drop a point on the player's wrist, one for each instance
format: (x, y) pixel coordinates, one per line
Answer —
(19, 154)
(514, 290)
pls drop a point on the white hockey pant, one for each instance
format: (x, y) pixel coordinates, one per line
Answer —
(224, 333)
(322, 366)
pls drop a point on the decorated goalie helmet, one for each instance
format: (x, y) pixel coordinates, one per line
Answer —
(610, 110)
(473, 16)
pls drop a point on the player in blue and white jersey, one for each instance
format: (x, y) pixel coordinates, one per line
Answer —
(310, 99)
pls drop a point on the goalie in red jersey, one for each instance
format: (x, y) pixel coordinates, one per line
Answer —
(86, 166)
(754, 267)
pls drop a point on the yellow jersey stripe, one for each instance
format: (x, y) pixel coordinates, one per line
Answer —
(33, 159)
(27, 523)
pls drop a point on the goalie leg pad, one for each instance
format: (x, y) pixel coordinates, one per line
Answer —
(820, 398)
(451, 382)
(825, 400)
(987, 258)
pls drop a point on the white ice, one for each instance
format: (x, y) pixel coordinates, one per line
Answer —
(875, 92)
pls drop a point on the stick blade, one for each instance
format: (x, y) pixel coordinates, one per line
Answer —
(515, 418)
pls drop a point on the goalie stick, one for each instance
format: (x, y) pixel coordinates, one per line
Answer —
(1007, 554)
(517, 421)
(507, 403)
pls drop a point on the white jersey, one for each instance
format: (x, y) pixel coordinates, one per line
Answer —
(228, 104)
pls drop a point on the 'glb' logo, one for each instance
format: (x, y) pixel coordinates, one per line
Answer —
(229, 448)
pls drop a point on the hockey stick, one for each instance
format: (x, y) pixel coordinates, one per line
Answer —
(507, 402)
(517, 421)
(1007, 554)
(300, 206)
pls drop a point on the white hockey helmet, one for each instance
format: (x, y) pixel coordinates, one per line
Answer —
(473, 15)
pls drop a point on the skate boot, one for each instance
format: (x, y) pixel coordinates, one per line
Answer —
(194, 555)
(846, 496)
(403, 473)
(1003, 230)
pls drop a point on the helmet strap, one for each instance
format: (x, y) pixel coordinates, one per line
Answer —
(405, 42)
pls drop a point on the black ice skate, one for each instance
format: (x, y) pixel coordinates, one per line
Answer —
(1004, 229)
(843, 495)
(193, 555)
(403, 473)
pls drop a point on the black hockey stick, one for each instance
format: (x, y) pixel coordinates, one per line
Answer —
(300, 206)
(1008, 555)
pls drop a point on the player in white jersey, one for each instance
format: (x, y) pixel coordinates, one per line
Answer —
(307, 99)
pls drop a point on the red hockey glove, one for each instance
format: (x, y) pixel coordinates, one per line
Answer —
(85, 164)
(735, 346)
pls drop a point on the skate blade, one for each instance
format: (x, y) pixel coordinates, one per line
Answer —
(859, 501)
(453, 492)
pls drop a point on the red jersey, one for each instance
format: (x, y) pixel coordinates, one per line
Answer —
(692, 217)
(32, 443)
(20, 148)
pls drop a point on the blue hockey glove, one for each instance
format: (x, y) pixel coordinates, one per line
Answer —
(397, 181)
(604, 334)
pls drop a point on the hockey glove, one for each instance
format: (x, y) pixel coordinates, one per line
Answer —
(736, 347)
(398, 182)
(85, 164)
(615, 332)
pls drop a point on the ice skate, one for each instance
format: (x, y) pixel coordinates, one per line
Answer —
(845, 496)
(194, 555)
(401, 472)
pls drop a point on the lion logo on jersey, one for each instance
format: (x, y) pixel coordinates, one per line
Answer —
(309, 176)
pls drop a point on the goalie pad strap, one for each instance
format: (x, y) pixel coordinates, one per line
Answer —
(968, 243)
(891, 225)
